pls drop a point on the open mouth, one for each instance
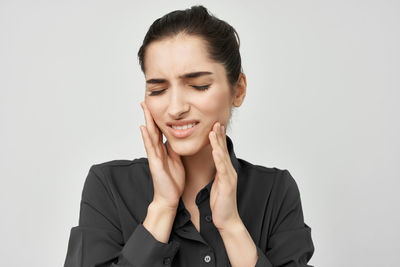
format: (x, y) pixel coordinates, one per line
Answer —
(184, 130)
(184, 127)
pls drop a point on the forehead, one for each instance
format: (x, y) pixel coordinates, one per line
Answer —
(173, 56)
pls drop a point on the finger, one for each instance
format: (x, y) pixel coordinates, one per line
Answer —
(215, 130)
(147, 122)
(175, 156)
(216, 148)
(220, 135)
(223, 133)
(219, 163)
(148, 145)
(153, 130)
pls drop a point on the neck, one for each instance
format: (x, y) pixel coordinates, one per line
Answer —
(199, 171)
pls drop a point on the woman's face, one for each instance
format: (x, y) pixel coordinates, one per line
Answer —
(170, 96)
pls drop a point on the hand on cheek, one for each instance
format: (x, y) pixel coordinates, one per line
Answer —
(223, 191)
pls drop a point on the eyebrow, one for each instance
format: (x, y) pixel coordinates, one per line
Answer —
(184, 76)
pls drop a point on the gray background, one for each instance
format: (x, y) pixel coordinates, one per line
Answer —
(323, 83)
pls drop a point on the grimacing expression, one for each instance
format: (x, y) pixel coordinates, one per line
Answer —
(172, 96)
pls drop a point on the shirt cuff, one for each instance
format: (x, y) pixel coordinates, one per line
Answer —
(143, 250)
(293, 247)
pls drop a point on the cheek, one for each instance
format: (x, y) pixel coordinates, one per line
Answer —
(215, 106)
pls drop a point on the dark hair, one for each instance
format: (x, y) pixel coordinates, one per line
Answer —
(220, 37)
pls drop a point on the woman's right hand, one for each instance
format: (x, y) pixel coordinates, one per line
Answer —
(166, 168)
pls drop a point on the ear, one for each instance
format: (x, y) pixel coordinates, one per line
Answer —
(240, 90)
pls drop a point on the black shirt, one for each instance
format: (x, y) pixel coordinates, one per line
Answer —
(114, 204)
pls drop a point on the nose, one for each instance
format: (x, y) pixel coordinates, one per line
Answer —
(178, 105)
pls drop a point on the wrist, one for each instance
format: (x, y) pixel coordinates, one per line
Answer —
(232, 226)
(159, 221)
(160, 206)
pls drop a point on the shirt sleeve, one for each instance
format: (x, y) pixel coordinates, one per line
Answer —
(98, 239)
(290, 243)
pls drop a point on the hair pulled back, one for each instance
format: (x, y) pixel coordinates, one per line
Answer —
(220, 37)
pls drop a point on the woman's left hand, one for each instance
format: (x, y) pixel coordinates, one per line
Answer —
(223, 191)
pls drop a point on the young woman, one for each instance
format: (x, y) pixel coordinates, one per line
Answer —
(191, 202)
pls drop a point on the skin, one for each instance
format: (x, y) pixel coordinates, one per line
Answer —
(193, 161)
(167, 59)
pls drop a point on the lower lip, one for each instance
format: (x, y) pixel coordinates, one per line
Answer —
(182, 133)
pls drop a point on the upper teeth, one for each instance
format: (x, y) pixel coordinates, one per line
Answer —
(190, 125)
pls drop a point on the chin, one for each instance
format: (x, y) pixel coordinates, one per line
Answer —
(187, 147)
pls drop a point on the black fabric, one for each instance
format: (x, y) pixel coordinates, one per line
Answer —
(114, 204)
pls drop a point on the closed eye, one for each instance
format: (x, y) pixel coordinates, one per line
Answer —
(200, 88)
(156, 92)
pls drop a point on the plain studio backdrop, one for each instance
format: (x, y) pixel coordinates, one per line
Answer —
(322, 101)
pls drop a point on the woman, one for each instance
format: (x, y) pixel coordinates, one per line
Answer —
(191, 202)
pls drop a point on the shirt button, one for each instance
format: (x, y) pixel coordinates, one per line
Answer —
(208, 218)
(207, 258)
(167, 260)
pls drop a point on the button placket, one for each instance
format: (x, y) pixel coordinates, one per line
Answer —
(207, 258)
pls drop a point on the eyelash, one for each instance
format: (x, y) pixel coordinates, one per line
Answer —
(200, 88)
